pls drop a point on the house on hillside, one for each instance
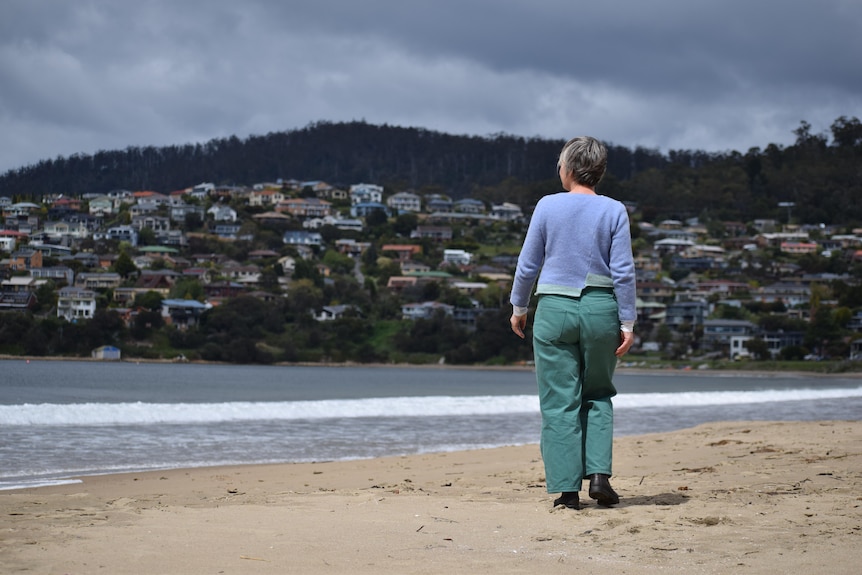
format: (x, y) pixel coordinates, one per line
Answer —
(21, 284)
(402, 252)
(263, 198)
(101, 206)
(438, 203)
(122, 234)
(425, 310)
(94, 281)
(436, 233)
(17, 301)
(227, 231)
(365, 193)
(305, 207)
(179, 212)
(333, 312)
(405, 202)
(457, 257)
(74, 303)
(222, 213)
(60, 274)
(717, 333)
(507, 212)
(470, 206)
(25, 259)
(302, 238)
(183, 313)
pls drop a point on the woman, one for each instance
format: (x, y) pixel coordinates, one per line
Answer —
(584, 319)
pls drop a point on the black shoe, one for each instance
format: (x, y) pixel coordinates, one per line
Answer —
(601, 490)
(569, 499)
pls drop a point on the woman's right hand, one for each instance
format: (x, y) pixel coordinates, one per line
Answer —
(519, 322)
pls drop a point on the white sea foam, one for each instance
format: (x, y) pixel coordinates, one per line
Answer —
(428, 406)
(32, 483)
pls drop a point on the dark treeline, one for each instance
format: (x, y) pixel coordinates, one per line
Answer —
(820, 173)
(339, 153)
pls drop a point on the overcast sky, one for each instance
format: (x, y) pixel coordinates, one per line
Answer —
(78, 76)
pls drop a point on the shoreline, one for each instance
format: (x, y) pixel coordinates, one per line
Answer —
(761, 497)
(625, 370)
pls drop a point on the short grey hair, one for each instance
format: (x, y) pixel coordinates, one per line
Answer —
(586, 159)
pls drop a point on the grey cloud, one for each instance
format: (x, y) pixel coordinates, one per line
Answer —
(83, 76)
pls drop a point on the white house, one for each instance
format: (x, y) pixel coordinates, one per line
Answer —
(57, 230)
(457, 257)
(507, 212)
(202, 190)
(76, 303)
(122, 234)
(102, 205)
(405, 202)
(222, 213)
(8, 243)
(470, 206)
(365, 193)
(294, 237)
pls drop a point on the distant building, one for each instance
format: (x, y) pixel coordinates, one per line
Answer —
(457, 257)
(295, 237)
(507, 212)
(436, 233)
(123, 234)
(470, 206)
(106, 352)
(183, 313)
(365, 193)
(438, 203)
(75, 303)
(405, 202)
(425, 310)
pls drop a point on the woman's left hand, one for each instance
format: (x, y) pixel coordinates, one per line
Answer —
(627, 338)
(519, 322)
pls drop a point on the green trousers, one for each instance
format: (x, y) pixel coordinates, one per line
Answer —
(574, 340)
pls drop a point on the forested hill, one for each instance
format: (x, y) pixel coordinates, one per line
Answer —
(821, 174)
(338, 153)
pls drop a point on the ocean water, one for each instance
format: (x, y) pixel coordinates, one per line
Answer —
(60, 419)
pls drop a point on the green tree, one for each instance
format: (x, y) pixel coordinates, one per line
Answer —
(124, 265)
(758, 348)
(147, 237)
(187, 288)
(337, 262)
(46, 297)
(145, 323)
(404, 224)
(151, 300)
(376, 219)
(664, 336)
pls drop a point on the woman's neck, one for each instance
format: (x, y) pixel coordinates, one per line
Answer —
(580, 189)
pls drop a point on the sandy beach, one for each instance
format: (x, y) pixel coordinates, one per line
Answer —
(743, 497)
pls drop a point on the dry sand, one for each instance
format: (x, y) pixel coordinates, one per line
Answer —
(718, 498)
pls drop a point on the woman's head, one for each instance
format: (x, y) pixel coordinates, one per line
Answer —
(586, 159)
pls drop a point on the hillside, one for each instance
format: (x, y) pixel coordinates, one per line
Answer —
(820, 174)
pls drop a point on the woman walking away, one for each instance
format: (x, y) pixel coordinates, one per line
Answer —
(581, 243)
